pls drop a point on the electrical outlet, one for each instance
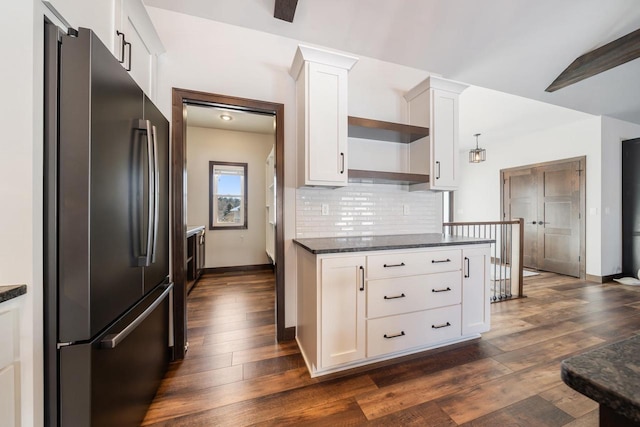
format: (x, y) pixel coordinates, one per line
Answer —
(405, 210)
(325, 209)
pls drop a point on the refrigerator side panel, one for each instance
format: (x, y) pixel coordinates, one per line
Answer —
(158, 271)
(73, 180)
(52, 35)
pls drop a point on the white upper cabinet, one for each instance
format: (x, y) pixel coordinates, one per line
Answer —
(124, 27)
(321, 110)
(137, 44)
(434, 104)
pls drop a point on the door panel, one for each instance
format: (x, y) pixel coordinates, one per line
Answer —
(630, 207)
(559, 210)
(98, 275)
(549, 198)
(521, 202)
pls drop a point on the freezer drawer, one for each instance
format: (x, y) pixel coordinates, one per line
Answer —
(112, 380)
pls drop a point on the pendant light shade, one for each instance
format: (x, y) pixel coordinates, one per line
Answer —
(477, 155)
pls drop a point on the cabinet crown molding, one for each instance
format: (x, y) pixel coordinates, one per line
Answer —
(435, 82)
(322, 56)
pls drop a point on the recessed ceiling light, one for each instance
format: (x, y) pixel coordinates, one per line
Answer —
(226, 117)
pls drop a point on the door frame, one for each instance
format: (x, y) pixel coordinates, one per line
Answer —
(583, 187)
(180, 99)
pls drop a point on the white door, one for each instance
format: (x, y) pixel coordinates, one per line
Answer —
(444, 140)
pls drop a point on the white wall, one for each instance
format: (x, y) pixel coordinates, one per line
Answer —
(21, 187)
(478, 198)
(228, 248)
(219, 58)
(613, 132)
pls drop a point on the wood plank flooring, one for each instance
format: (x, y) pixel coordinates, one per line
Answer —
(236, 374)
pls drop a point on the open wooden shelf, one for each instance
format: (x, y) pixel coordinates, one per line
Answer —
(385, 131)
(379, 177)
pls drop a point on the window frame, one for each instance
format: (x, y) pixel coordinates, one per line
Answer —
(213, 196)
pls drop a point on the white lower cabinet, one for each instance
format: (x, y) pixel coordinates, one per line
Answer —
(353, 311)
(476, 317)
(342, 337)
(9, 368)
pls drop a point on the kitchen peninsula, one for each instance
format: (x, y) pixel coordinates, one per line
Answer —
(367, 299)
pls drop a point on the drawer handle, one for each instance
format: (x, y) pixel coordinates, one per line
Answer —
(402, 264)
(441, 290)
(396, 297)
(444, 325)
(362, 274)
(401, 334)
(438, 261)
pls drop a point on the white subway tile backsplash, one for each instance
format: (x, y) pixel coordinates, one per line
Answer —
(366, 210)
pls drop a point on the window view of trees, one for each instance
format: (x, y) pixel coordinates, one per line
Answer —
(228, 195)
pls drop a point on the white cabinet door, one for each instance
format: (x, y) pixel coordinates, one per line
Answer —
(444, 140)
(342, 310)
(327, 132)
(8, 399)
(476, 312)
(137, 43)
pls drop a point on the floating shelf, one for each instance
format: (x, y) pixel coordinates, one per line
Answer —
(379, 177)
(385, 131)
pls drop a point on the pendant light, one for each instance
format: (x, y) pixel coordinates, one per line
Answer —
(477, 155)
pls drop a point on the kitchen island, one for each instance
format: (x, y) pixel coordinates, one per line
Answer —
(362, 300)
(610, 375)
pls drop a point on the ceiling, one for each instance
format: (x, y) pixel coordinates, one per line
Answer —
(514, 46)
(241, 121)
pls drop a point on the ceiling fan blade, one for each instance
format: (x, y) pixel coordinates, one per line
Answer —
(624, 49)
(285, 9)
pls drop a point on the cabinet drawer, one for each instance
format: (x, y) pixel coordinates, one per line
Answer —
(386, 297)
(396, 333)
(412, 263)
(443, 324)
(443, 289)
(8, 334)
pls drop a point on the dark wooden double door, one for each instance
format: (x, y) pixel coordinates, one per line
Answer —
(550, 198)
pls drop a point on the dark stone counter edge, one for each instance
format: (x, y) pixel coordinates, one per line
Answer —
(603, 396)
(10, 292)
(386, 247)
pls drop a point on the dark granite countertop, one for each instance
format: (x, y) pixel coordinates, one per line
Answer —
(11, 292)
(327, 245)
(193, 229)
(610, 375)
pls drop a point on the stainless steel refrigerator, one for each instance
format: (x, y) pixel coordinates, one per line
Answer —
(107, 287)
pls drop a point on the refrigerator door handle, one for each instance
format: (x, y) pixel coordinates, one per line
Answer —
(156, 194)
(112, 340)
(145, 126)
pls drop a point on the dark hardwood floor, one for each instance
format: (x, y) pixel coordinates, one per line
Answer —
(235, 373)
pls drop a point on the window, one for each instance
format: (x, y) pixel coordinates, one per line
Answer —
(227, 195)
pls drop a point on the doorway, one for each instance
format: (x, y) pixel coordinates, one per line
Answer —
(551, 198)
(180, 99)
